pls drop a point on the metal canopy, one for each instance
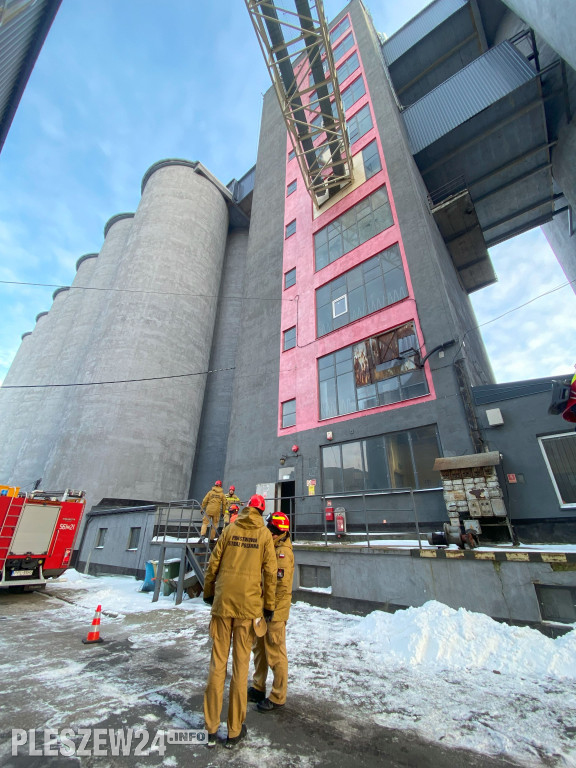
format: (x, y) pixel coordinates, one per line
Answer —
(24, 25)
(296, 47)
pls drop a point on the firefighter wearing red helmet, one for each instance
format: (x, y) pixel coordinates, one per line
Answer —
(270, 650)
(231, 498)
(240, 585)
(214, 505)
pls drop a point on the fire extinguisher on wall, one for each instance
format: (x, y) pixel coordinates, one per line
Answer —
(340, 521)
(329, 511)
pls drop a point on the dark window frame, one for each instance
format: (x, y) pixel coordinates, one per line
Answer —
(289, 338)
(290, 229)
(291, 188)
(385, 442)
(287, 414)
(371, 373)
(288, 282)
(366, 283)
(361, 222)
(133, 545)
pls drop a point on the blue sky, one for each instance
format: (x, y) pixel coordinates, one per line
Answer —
(121, 84)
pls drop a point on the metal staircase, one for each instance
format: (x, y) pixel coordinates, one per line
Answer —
(177, 526)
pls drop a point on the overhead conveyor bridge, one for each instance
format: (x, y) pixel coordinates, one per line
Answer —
(296, 46)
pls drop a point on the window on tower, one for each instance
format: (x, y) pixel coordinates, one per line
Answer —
(290, 338)
(289, 413)
(395, 460)
(358, 224)
(359, 124)
(369, 287)
(377, 371)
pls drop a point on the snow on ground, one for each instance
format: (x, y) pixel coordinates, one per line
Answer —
(454, 676)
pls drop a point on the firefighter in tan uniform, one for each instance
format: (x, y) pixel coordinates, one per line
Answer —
(240, 584)
(214, 505)
(270, 650)
(231, 499)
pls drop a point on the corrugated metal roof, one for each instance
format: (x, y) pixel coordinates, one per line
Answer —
(481, 83)
(494, 393)
(23, 27)
(418, 27)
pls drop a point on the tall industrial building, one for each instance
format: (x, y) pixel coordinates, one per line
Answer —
(310, 350)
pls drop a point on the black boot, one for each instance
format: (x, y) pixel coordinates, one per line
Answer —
(232, 742)
(267, 706)
(255, 695)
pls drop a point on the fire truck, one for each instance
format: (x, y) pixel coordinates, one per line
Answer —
(37, 533)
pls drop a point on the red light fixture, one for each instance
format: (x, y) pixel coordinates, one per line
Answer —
(294, 449)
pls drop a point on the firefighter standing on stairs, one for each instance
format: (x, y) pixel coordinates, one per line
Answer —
(270, 650)
(231, 499)
(214, 505)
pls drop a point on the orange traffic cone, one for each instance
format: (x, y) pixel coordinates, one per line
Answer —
(94, 634)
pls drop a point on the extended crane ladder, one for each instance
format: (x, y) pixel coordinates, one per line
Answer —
(178, 527)
(302, 71)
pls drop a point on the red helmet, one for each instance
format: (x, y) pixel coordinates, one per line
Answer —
(232, 488)
(279, 520)
(258, 501)
(218, 483)
(234, 508)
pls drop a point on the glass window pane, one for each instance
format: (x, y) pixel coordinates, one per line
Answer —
(400, 460)
(367, 397)
(413, 384)
(561, 454)
(290, 338)
(357, 303)
(346, 393)
(324, 295)
(426, 450)
(332, 469)
(289, 413)
(375, 298)
(388, 391)
(376, 463)
(328, 399)
(352, 466)
(290, 278)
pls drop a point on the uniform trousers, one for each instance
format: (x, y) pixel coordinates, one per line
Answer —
(212, 522)
(225, 630)
(270, 652)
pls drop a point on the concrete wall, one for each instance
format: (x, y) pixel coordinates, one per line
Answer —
(214, 428)
(532, 502)
(500, 588)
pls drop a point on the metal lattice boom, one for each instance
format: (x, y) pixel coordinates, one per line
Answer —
(296, 46)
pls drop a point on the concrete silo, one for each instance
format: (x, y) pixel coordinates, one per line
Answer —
(136, 439)
(95, 277)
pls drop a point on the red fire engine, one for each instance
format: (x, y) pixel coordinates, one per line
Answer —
(37, 533)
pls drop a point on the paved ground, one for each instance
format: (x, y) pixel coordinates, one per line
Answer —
(150, 674)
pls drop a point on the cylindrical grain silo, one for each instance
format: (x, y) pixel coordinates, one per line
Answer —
(9, 399)
(91, 291)
(135, 440)
(22, 407)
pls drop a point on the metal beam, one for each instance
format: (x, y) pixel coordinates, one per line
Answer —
(296, 46)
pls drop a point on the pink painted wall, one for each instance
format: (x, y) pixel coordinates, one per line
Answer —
(298, 366)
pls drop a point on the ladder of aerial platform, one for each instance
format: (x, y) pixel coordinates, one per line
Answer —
(296, 45)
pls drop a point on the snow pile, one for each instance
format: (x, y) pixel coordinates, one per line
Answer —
(440, 637)
(118, 595)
